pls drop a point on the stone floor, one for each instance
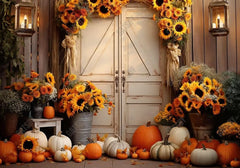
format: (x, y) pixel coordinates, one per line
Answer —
(103, 162)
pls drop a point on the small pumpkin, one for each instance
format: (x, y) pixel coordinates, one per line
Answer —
(144, 154)
(63, 155)
(92, 150)
(204, 156)
(111, 144)
(235, 163)
(145, 136)
(25, 156)
(41, 139)
(1, 161)
(134, 155)
(163, 150)
(179, 153)
(48, 112)
(209, 143)
(8, 152)
(38, 157)
(227, 152)
(121, 154)
(47, 154)
(178, 135)
(189, 145)
(185, 159)
(77, 151)
(59, 141)
(16, 138)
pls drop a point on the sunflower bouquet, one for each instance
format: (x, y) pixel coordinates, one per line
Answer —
(34, 90)
(172, 18)
(77, 96)
(72, 16)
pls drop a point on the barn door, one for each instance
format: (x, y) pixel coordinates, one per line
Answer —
(121, 56)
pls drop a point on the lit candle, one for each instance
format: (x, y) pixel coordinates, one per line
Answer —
(25, 21)
(29, 25)
(218, 21)
(214, 25)
(22, 25)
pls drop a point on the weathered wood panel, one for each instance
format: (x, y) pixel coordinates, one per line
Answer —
(238, 35)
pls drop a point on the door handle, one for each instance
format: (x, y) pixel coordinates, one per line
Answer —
(123, 80)
(116, 81)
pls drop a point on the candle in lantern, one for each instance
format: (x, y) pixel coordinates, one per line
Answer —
(25, 21)
(214, 25)
(22, 25)
(29, 25)
(218, 21)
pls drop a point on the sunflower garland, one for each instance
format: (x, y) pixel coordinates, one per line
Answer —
(79, 96)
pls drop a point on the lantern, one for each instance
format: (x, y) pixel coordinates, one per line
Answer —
(25, 18)
(219, 17)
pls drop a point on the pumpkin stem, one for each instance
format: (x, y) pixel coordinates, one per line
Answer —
(20, 130)
(90, 140)
(204, 147)
(166, 139)
(59, 133)
(148, 124)
(180, 123)
(226, 142)
(118, 137)
(5, 140)
(207, 138)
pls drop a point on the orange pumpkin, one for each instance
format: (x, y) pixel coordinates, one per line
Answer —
(209, 143)
(227, 152)
(144, 155)
(0, 161)
(25, 156)
(38, 157)
(16, 138)
(134, 155)
(122, 154)
(185, 159)
(48, 112)
(92, 151)
(235, 163)
(179, 153)
(145, 136)
(189, 144)
(8, 152)
(47, 154)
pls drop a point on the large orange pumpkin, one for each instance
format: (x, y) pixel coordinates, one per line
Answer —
(92, 151)
(145, 136)
(227, 152)
(8, 152)
(209, 143)
(48, 112)
(16, 138)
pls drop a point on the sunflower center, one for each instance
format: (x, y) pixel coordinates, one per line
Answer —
(221, 101)
(79, 102)
(28, 144)
(211, 91)
(189, 104)
(159, 2)
(81, 21)
(199, 92)
(93, 1)
(166, 32)
(169, 108)
(179, 28)
(103, 9)
(184, 99)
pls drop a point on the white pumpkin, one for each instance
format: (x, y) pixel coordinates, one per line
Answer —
(41, 139)
(79, 147)
(178, 135)
(204, 157)
(63, 155)
(163, 150)
(112, 144)
(56, 142)
(101, 144)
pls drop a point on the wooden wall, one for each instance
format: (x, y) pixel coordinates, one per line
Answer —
(220, 53)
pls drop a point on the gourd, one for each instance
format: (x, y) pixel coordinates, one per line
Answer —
(38, 157)
(48, 112)
(227, 152)
(145, 136)
(92, 150)
(112, 144)
(189, 145)
(163, 150)
(56, 142)
(144, 154)
(25, 156)
(8, 152)
(63, 155)
(178, 135)
(77, 151)
(1, 161)
(209, 143)
(235, 163)
(134, 155)
(79, 147)
(204, 156)
(41, 138)
(16, 138)
(121, 154)
(185, 159)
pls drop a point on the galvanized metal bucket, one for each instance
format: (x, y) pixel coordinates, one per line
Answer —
(81, 127)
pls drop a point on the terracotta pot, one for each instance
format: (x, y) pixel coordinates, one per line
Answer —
(8, 124)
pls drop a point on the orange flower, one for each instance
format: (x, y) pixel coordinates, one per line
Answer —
(61, 92)
(185, 79)
(64, 19)
(179, 112)
(72, 19)
(197, 104)
(187, 73)
(70, 111)
(199, 76)
(43, 90)
(36, 94)
(30, 98)
(168, 13)
(208, 102)
(61, 8)
(25, 98)
(193, 78)
(83, 12)
(34, 74)
(176, 102)
(18, 86)
(49, 89)
(61, 108)
(216, 109)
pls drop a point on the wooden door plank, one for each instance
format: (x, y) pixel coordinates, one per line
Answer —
(27, 55)
(198, 31)
(210, 40)
(35, 43)
(221, 54)
(238, 35)
(231, 45)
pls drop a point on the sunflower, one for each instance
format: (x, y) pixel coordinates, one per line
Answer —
(43, 90)
(176, 102)
(34, 74)
(157, 4)
(82, 22)
(222, 101)
(72, 77)
(78, 103)
(212, 90)
(188, 2)
(183, 98)
(179, 112)
(187, 73)
(178, 12)
(96, 92)
(168, 13)
(216, 109)
(167, 6)
(61, 8)
(80, 88)
(70, 111)
(61, 107)
(28, 144)
(215, 83)
(87, 96)
(179, 28)
(196, 104)
(165, 33)
(61, 92)
(221, 92)
(74, 1)
(188, 105)
(99, 100)
(208, 102)
(185, 86)
(207, 81)
(94, 3)
(49, 89)
(188, 16)
(32, 86)
(169, 108)
(72, 18)
(103, 11)
(91, 102)
(199, 76)
(111, 2)
(36, 94)
(50, 78)
(65, 19)
(199, 91)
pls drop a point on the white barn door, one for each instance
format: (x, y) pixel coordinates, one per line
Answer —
(121, 55)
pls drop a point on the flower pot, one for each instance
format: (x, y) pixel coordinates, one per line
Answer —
(81, 126)
(201, 125)
(164, 129)
(8, 124)
(37, 111)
